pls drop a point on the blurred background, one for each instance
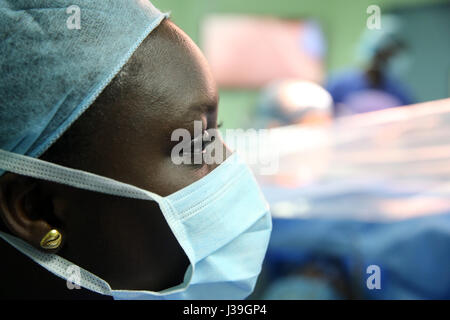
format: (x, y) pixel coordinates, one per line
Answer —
(316, 40)
(355, 96)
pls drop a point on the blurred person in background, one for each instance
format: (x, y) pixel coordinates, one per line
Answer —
(376, 86)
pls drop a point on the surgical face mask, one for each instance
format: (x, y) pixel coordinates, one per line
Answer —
(221, 221)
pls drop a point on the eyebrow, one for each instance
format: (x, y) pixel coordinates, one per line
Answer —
(205, 107)
(210, 109)
(208, 106)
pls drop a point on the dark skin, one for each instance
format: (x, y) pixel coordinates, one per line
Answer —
(126, 137)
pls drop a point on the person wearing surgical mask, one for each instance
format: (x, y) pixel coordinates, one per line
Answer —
(92, 204)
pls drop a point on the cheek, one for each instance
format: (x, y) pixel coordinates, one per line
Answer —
(126, 241)
(172, 177)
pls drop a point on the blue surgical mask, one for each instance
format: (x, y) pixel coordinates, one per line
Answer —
(221, 221)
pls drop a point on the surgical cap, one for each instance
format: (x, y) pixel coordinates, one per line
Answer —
(56, 57)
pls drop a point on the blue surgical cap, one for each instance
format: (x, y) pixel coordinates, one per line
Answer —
(56, 57)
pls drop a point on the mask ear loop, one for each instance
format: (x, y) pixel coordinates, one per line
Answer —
(40, 169)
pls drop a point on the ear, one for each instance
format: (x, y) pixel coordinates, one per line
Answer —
(26, 211)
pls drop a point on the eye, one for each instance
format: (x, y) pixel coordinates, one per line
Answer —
(199, 144)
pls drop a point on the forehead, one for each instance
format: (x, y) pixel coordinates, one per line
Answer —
(175, 71)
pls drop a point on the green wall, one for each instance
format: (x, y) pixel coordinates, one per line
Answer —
(426, 30)
(342, 22)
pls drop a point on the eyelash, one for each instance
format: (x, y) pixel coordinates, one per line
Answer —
(218, 126)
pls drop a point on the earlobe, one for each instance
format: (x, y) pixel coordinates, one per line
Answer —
(21, 211)
(52, 240)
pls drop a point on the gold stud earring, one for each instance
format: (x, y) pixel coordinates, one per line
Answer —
(52, 240)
